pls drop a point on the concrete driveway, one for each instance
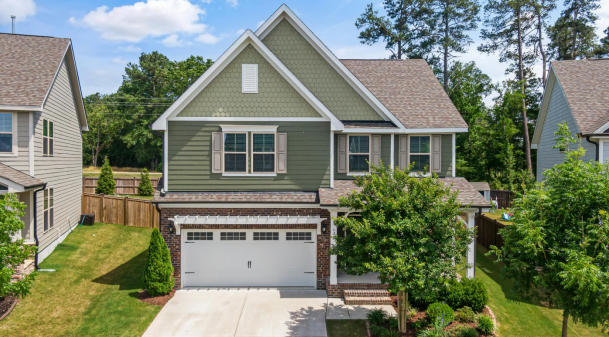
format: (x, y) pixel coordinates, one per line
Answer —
(242, 312)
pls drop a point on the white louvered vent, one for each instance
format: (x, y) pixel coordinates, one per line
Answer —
(249, 78)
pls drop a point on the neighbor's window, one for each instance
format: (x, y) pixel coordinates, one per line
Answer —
(47, 138)
(48, 209)
(235, 152)
(6, 132)
(359, 154)
(420, 153)
(263, 152)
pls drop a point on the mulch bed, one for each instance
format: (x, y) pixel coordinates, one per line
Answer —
(155, 300)
(7, 305)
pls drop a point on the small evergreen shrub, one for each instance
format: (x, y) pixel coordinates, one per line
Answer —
(393, 322)
(105, 183)
(377, 316)
(158, 273)
(486, 326)
(440, 311)
(465, 315)
(467, 293)
(464, 331)
(420, 324)
(145, 186)
(379, 331)
(422, 301)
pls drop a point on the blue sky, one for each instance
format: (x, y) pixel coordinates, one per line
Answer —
(107, 34)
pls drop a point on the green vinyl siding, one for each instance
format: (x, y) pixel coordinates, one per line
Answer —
(189, 161)
(222, 97)
(385, 156)
(317, 74)
(447, 156)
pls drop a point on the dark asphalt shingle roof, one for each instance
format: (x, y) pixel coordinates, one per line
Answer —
(19, 177)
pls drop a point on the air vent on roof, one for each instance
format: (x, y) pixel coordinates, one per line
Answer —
(249, 78)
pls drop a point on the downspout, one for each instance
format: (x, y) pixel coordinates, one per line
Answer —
(36, 225)
(595, 145)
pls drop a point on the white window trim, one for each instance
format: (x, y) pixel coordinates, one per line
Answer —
(249, 131)
(421, 173)
(51, 224)
(359, 173)
(48, 137)
(274, 153)
(15, 149)
(224, 152)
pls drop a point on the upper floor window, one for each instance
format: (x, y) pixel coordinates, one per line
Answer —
(359, 154)
(6, 132)
(47, 138)
(235, 152)
(420, 153)
(263, 152)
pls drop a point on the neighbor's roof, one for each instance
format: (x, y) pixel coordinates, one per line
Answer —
(468, 195)
(18, 177)
(410, 90)
(586, 86)
(481, 186)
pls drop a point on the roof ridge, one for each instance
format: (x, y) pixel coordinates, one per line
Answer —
(45, 36)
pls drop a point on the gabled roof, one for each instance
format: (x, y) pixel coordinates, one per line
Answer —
(28, 68)
(247, 38)
(16, 179)
(411, 92)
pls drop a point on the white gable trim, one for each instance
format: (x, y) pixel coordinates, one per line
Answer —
(246, 39)
(285, 12)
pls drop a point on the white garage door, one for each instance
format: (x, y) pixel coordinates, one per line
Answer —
(230, 258)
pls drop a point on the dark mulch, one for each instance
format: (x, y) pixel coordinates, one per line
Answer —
(155, 300)
(6, 305)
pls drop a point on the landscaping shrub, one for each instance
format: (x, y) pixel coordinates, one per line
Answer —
(437, 331)
(465, 314)
(467, 293)
(379, 331)
(486, 326)
(422, 301)
(440, 311)
(420, 324)
(377, 316)
(145, 187)
(393, 322)
(158, 273)
(464, 331)
(105, 183)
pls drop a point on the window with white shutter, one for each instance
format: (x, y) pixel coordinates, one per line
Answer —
(249, 78)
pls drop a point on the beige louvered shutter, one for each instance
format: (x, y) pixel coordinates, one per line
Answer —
(216, 152)
(403, 152)
(375, 153)
(341, 166)
(436, 153)
(282, 153)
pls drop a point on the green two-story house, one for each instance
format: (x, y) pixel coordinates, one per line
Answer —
(259, 149)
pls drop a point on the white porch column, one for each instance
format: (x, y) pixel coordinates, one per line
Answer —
(471, 249)
(333, 266)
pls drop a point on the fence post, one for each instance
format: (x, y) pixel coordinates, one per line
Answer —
(125, 212)
(102, 208)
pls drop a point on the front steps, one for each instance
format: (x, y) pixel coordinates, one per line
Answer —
(367, 297)
(21, 270)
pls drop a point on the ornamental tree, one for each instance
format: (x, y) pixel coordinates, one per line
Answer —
(13, 252)
(106, 183)
(158, 273)
(557, 249)
(410, 232)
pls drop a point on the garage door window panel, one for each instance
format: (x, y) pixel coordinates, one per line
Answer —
(298, 236)
(266, 236)
(232, 236)
(200, 236)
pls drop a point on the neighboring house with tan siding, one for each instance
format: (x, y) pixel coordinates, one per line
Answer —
(577, 92)
(42, 118)
(259, 149)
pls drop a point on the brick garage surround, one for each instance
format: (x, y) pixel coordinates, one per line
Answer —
(175, 244)
(337, 290)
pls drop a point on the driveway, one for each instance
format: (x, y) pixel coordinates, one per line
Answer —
(242, 312)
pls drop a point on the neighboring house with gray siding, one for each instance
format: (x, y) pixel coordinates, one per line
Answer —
(42, 117)
(577, 92)
(258, 150)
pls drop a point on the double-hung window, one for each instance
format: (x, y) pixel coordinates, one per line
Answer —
(263, 152)
(47, 138)
(420, 153)
(48, 209)
(235, 152)
(359, 154)
(6, 132)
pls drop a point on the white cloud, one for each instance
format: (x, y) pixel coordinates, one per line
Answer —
(206, 1)
(19, 8)
(135, 22)
(240, 31)
(131, 49)
(207, 38)
(233, 3)
(603, 18)
(119, 60)
(173, 40)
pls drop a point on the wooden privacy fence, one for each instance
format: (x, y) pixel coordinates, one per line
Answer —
(487, 232)
(121, 210)
(504, 198)
(125, 186)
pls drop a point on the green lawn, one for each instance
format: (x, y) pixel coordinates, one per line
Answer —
(346, 328)
(519, 318)
(94, 289)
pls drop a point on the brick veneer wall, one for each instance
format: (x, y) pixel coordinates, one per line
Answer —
(175, 244)
(337, 290)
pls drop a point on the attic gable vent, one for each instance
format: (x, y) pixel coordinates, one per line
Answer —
(249, 78)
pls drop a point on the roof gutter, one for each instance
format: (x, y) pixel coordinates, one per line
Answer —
(36, 226)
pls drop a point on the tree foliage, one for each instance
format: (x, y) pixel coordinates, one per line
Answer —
(13, 252)
(572, 36)
(145, 187)
(158, 272)
(556, 250)
(105, 183)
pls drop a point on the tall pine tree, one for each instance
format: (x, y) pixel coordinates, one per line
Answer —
(572, 36)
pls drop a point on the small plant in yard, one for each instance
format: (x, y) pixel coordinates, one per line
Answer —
(420, 324)
(439, 324)
(13, 252)
(486, 326)
(106, 183)
(393, 322)
(465, 315)
(145, 187)
(379, 331)
(466, 293)
(442, 311)
(464, 331)
(376, 316)
(158, 273)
